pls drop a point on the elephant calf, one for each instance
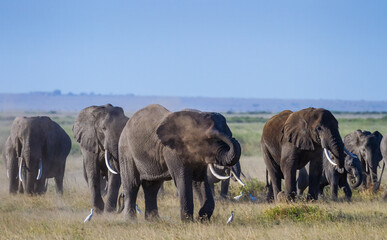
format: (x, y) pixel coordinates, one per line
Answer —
(36, 149)
(330, 176)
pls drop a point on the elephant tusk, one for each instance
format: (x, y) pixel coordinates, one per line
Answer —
(7, 174)
(20, 170)
(237, 178)
(329, 158)
(108, 164)
(349, 153)
(40, 170)
(217, 175)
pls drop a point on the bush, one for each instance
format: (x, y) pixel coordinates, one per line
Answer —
(298, 213)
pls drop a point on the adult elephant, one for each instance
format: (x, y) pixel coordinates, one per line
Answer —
(98, 129)
(366, 146)
(292, 139)
(351, 177)
(223, 171)
(35, 151)
(158, 145)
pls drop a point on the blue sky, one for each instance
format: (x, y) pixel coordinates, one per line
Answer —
(260, 49)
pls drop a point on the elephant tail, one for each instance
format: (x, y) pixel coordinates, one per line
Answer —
(121, 200)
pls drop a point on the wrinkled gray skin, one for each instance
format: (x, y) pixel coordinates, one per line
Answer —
(224, 183)
(12, 166)
(292, 139)
(366, 146)
(98, 129)
(383, 149)
(330, 176)
(158, 145)
(33, 139)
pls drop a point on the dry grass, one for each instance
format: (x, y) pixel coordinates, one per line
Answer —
(55, 217)
(61, 217)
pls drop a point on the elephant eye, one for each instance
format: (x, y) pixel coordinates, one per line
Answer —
(318, 128)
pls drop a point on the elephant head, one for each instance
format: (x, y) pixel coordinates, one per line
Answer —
(366, 146)
(313, 128)
(354, 170)
(98, 129)
(29, 137)
(201, 137)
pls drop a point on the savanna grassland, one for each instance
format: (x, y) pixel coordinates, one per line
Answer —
(61, 217)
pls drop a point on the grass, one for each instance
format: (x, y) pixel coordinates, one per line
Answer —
(61, 217)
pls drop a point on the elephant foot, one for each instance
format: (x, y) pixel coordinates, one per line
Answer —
(310, 198)
(186, 217)
(204, 218)
(283, 197)
(152, 215)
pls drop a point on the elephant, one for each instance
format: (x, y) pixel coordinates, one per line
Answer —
(383, 150)
(351, 177)
(158, 145)
(97, 129)
(225, 183)
(292, 139)
(36, 150)
(366, 146)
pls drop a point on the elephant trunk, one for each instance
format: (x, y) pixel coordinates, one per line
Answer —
(336, 146)
(355, 177)
(228, 156)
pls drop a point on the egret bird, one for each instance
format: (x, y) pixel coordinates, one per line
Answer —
(88, 218)
(138, 209)
(239, 196)
(254, 199)
(231, 217)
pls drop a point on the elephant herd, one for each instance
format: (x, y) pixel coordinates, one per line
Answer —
(194, 149)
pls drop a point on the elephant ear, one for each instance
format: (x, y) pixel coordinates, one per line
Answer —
(179, 130)
(378, 135)
(84, 131)
(352, 141)
(295, 130)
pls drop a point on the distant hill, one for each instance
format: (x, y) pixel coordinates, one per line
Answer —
(55, 101)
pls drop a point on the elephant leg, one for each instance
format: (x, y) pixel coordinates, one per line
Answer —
(203, 189)
(21, 188)
(347, 191)
(274, 187)
(13, 173)
(183, 181)
(302, 181)
(40, 186)
(315, 173)
(93, 176)
(59, 180)
(130, 179)
(273, 175)
(114, 183)
(151, 189)
(334, 187)
(289, 170)
(224, 188)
